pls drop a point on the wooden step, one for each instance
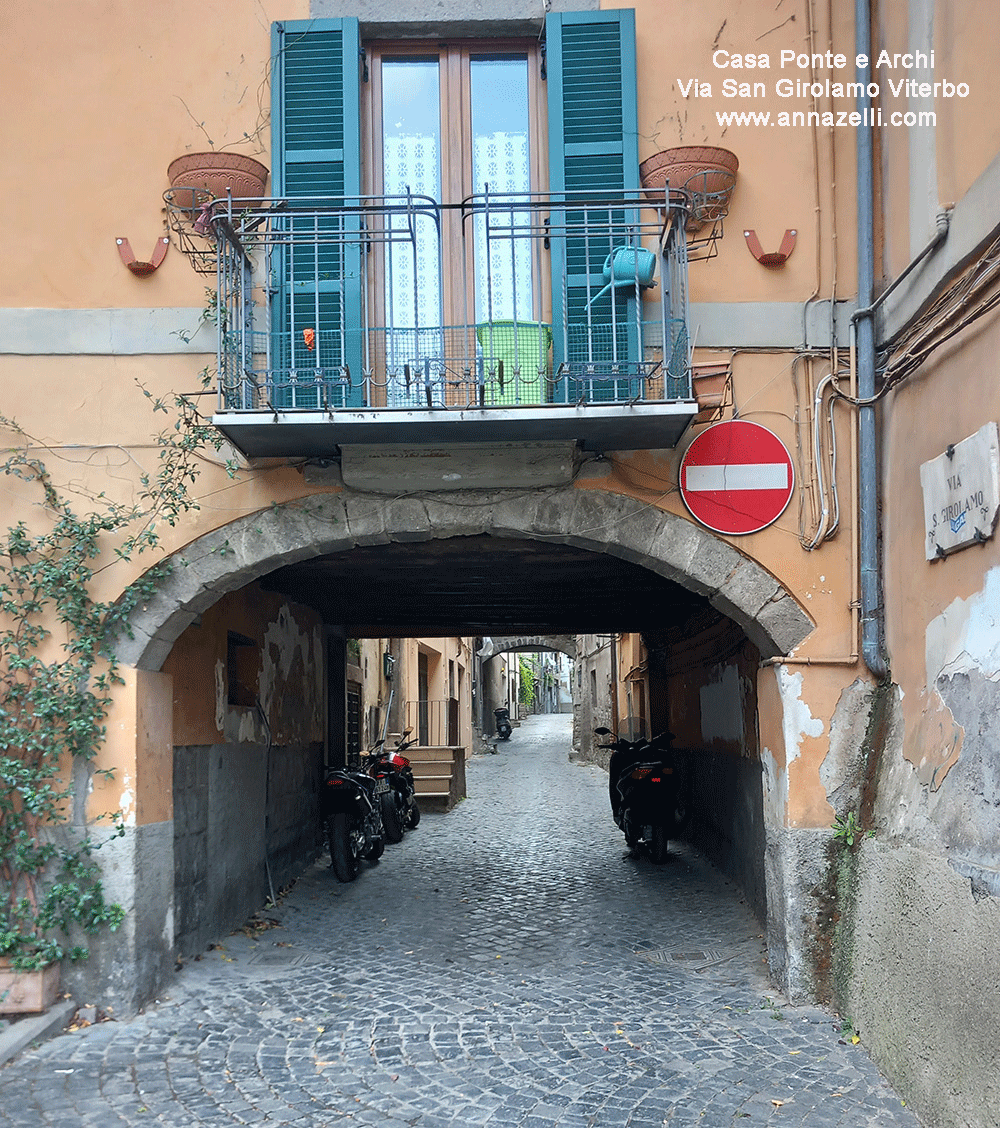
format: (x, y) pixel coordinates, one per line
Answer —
(438, 774)
(432, 785)
(437, 768)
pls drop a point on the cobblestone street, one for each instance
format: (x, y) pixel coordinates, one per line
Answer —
(507, 964)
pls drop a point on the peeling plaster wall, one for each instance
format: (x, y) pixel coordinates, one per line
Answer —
(813, 738)
(924, 991)
(918, 944)
(245, 777)
(942, 789)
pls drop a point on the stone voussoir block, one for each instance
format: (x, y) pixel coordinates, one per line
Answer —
(785, 623)
(468, 515)
(154, 654)
(711, 564)
(406, 519)
(749, 587)
(554, 515)
(675, 545)
(594, 518)
(131, 647)
(637, 531)
(364, 518)
(319, 518)
(175, 625)
(507, 515)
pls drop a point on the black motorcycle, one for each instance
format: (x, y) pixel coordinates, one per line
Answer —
(648, 791)
(395, 787)
(352, 812)
(502, 716)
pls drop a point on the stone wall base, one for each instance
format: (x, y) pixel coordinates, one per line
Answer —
(796, 869)
(922, 985)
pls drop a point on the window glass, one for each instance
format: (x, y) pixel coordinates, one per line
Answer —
(411, 161)
(501, 163)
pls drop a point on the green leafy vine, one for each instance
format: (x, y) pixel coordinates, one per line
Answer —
(57, 674)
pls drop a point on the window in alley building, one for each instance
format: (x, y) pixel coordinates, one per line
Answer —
(242, 665)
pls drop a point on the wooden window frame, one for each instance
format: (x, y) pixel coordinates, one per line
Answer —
(455, 85)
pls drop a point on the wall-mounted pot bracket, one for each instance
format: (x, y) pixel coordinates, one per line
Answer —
(141, 269)
(773, 258)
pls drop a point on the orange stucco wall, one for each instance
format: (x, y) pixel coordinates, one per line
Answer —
(197, 78)
(126, 88)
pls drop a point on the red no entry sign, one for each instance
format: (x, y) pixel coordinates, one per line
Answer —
(736, 477)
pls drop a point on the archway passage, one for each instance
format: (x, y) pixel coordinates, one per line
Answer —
(564, 644)
(501, 563)
(621, 527)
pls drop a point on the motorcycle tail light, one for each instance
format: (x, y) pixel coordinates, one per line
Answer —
(334, 782)
(656, 779)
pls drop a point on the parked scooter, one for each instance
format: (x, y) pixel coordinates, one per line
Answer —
(502, 716)
(396, 791)
(352, 813)
(649, 793)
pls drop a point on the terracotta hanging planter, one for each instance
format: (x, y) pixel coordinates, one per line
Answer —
(708, 383)
(25, 992)
(705, 172)
(198, 178)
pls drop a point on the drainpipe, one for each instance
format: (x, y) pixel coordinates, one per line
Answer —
(614, 685)
(868, 479)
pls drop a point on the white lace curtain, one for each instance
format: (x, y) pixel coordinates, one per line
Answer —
(502, 267)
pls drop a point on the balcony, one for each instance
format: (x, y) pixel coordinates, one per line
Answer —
(382, 320)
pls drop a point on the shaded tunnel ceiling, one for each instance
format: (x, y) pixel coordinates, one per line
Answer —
(485, 585)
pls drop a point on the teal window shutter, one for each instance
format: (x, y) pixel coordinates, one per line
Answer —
(316, 152)
(593, 148)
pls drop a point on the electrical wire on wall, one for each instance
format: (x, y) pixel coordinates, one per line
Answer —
(970, 294)
(823, 423)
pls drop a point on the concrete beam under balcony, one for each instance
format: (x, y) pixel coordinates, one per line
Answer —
(597, 427)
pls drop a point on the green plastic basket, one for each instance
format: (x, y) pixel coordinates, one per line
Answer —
(523, 347)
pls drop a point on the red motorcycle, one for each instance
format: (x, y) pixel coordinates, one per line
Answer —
(394, 787)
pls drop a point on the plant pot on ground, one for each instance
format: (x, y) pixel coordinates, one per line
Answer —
(27, 992)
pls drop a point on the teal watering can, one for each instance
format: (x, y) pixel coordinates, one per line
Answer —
(627, 266)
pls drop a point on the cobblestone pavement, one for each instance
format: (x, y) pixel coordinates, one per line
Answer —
(507, 965)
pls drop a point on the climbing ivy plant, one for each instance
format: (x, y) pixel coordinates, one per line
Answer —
(526, 695)
(57, 673)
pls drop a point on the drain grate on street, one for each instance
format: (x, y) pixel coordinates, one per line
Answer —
(695, 960)
(280, 959)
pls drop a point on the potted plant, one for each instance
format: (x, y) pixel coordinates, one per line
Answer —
(198, 178)
(706, 174)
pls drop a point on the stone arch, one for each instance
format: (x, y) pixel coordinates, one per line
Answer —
(236, 554)
(564, 644)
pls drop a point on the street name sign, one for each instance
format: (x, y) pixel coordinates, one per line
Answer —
(737, 477)
(961, 493)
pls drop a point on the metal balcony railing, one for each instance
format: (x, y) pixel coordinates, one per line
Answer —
(381, 304)
(434, 723)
